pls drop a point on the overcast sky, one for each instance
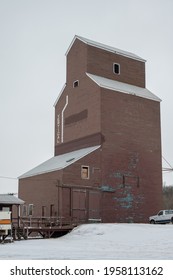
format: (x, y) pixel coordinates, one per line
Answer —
(34, 36)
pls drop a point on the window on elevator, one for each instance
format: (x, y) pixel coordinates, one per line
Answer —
(116, 68)
(84, 172)
(75, 83)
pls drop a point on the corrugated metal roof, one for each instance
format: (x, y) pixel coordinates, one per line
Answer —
(123, 87)
(59, 162)
(10, 199)
(105, 47)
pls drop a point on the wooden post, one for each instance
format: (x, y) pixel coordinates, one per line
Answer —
(18, 216)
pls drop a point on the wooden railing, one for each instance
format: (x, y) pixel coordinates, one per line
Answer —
(41, 222)
(50, 222)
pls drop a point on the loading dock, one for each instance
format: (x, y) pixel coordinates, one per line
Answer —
(80, 204)
(76, 205)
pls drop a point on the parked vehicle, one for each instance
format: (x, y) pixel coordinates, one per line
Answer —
(163, 217)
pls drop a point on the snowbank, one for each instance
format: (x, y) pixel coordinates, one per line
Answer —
(98, 241)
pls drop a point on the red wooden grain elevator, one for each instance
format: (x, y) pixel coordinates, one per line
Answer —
(107, 158)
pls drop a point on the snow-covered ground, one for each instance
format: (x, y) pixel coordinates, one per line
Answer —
(96, 242)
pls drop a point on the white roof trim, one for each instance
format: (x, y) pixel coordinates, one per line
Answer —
(59, 162)
(105, 47)
(123, 87)
(56, 101)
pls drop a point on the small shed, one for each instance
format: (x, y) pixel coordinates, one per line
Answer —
(8, 200)
(7, 203)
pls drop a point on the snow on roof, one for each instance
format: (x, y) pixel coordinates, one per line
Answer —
(10, 199)
(59, 162)
(123, 87)
(105, 47)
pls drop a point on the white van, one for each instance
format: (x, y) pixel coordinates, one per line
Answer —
(163, 217)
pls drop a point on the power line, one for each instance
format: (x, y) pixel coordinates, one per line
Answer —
(167, 162)
(166, 169)
(10, 178)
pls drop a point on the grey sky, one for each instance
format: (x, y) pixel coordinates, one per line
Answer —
(34, 36)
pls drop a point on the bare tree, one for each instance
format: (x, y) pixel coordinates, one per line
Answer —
(168, 197)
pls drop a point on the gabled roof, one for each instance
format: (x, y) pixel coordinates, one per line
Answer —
(59, 162)
(105, 47)
(123, 87)
(10, 199)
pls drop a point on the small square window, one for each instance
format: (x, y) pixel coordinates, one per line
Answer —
(116, 68)
(85, 172)
(76, 83)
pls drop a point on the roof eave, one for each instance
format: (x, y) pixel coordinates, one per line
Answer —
(71, 44)
(104, 47)
(16, 201)
(157, 99)
(131, 92)
(61, 92)
(34, 172)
